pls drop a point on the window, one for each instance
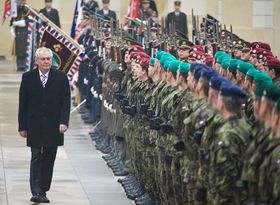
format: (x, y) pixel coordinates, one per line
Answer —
(263, 13)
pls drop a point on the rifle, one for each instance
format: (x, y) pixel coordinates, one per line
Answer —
(205, 34)
(119, 43)
(194, 31)
(231, 40)
(162, 34)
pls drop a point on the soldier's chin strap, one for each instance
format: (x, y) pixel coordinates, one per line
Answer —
(83, 102)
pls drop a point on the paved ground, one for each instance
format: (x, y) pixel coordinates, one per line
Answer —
(80, 177)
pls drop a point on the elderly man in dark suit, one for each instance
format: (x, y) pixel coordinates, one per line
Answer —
(51, 13)
(179, 18)
(106, 12)
(44, 109)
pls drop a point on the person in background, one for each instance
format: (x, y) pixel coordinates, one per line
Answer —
(51, 13)
(18, 28)
(179, 18)
(106, 11)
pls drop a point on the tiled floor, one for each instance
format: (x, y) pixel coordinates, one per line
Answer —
(80, 177)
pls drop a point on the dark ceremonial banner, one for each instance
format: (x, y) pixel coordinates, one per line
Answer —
(65, 53)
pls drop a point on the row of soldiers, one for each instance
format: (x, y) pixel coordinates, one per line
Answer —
(191, 127)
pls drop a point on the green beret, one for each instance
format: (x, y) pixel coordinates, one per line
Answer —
(252, 72)
(159, 54)
(233, 64)
(184, 68)
(152, 62)
(222, 58)
(262, 77)
(244, 67)
(260, 88)
(225, 63)
(167, 64)
(163, 59)
(220, 53)
(174, 65)
(272, 92)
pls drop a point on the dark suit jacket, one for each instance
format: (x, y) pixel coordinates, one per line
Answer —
(41, 110)
(52, 15)
(181, 23)
(111, 15)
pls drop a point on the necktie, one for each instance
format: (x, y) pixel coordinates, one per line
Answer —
(44, 80)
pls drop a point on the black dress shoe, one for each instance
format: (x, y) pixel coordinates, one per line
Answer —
(35, 199)
(39, 198)
(44, 199)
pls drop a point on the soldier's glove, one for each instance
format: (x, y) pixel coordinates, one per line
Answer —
(201, 194)
(100, 96)
(150, 113)
(110, 108)
(204, 157)
(144, 109)
(95, 94)
(126, 109)
(118, 96)
(197, 137)
(19, 23)
(166, 128)
(179, 145)
(124, 102)
(12, 30)
(130, 110)
(158, 120)
(85, 81)
(155, 123)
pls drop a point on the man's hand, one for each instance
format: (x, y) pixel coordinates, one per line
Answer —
(62, 128)
(23, 133)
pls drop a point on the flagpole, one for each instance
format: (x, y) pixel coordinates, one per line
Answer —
(44, 18)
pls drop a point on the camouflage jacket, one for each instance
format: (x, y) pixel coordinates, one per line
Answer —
(226, 165)
(269, 180)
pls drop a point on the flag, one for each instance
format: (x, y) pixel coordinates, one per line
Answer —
(7, 10)
(13, 4)
(41, 32)
(135, 9)
(76, 18)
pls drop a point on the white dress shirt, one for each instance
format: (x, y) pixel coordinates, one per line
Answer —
(46, 75)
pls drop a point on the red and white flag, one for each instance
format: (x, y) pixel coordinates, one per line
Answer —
(7, 10)
(10, 9)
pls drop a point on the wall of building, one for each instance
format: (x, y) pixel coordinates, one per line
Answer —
(253, 20)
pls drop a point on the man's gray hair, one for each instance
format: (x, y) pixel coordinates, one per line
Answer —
(43, 50)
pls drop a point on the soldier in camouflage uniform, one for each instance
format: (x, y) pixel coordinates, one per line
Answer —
(182, 103)
(257, 150)
(268, 182)
(194, 125)
(229, 146)
(209, 135)
(273, 69)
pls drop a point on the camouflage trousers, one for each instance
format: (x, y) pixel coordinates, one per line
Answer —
(160, 176)
(177, 179)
